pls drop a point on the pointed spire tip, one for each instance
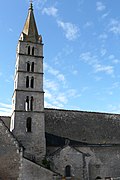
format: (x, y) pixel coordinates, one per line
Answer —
(31, 5)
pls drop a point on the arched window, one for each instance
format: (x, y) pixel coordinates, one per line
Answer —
(27, 82)
(27, 103)
(28, 67)
(98, 177)
(31, 103)
(68, 171)
(32, 67)
(33, 49)
(32, 82)
(29, 124)
(28, 50)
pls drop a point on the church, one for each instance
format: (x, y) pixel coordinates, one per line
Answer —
(38, 143)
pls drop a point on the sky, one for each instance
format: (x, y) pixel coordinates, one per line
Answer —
(81, 52)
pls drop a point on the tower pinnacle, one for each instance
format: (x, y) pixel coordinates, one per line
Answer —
(30, 32)
(31, 5)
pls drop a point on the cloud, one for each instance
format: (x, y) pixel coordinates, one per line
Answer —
(5, 105)
(48, 95)
(50, 105)
(40, 3)
(113, 108)
(105, 15)
(74, 72)
(100, 6)
(103, 36)
(103, 51)
(66, 51)
(55, 72)
(50, 84)
(58, 99)
(93, 61)
(116, 85)
(89, 58)
(55, 99)
(71, 30)
(5, 109)
(62, 98)
(57, 91)
(97, 78)
(116, 61)
(113, 59)
(10, 79)
(88, 24)
(53, 96)
(51, 11)
(56, 95)
(111, 56)
(114, 26)
(103, 68)
(73, 93)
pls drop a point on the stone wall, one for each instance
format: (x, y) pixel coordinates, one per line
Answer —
(32, 171)
(28, 100)
(69, 156)
(34, 141)
(87, 162)
(102, 161)
(10, 155)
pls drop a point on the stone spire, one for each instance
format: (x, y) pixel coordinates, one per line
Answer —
(30, 32)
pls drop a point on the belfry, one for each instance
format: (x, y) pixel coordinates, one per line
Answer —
(27, 120)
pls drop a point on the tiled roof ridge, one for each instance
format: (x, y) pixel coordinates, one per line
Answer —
(5, 116)
(82, 111)
(62, 147)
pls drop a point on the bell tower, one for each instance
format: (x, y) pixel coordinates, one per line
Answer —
(27, 120)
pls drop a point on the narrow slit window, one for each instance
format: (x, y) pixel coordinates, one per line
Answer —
(33, 51)
(27, 103)
(27, 82)
(32, 82)
(29, 124)
(28, 50)
(28, 67)
(32, 67)
(68, 171)
(31, 104)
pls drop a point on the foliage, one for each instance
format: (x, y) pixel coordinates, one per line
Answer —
(46, 163)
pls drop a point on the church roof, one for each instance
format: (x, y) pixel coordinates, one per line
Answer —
(30, 29)
(67, 147)
(81, 126)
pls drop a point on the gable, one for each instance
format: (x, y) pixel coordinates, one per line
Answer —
(68, 157)
(67, 149)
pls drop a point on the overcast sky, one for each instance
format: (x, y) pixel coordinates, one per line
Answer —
(81, 52)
